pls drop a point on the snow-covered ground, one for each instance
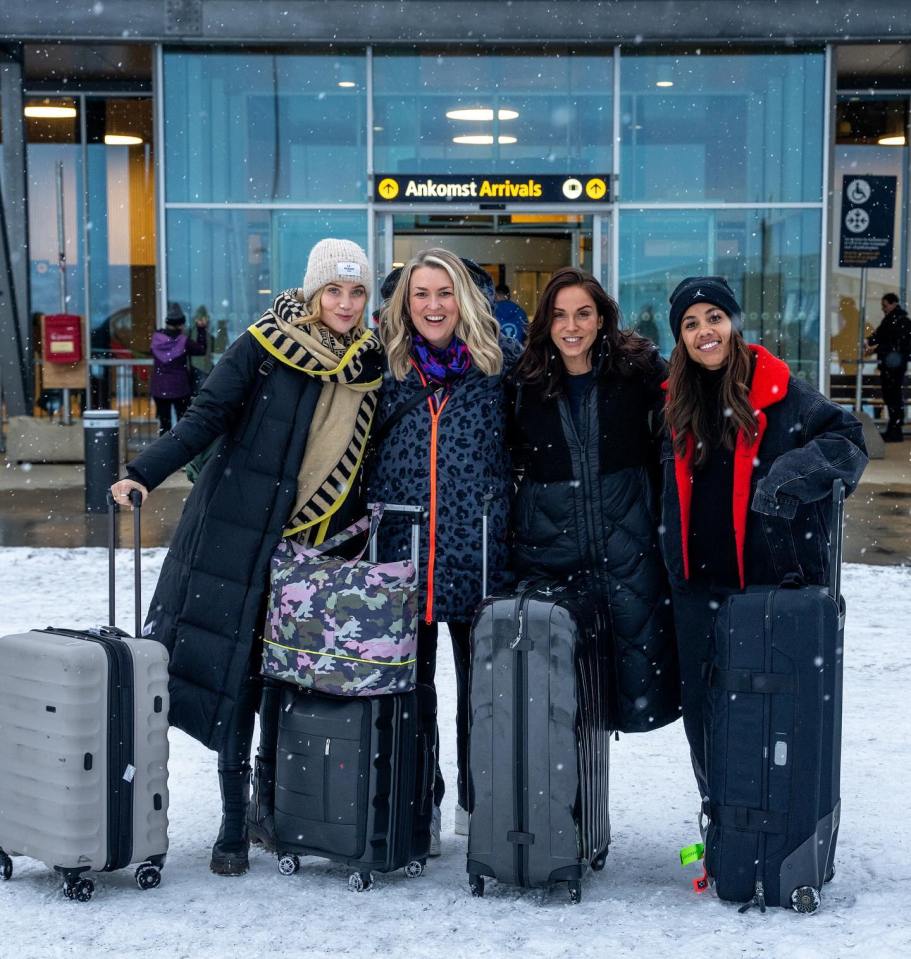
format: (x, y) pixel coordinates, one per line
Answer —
(641, 905)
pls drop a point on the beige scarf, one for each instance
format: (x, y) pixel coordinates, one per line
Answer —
(350, 368)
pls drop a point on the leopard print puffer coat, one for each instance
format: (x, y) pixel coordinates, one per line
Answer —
(447, 462)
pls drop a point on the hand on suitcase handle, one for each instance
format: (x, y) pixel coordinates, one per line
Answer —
(123, 491)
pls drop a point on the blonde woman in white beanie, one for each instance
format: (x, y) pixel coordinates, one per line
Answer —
(290, 403)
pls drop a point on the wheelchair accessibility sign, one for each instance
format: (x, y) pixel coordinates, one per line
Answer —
(867, 221)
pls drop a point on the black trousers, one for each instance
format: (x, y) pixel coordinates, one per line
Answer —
(892, 379)
(427, 662)
(163, 411)
(694, 621)
(234, 755)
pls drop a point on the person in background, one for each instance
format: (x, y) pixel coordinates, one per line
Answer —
(201, 366)
(584, 432)
(750, 455)
(891, 342)
(512, 318)
(171, 385)
(445, 450)
(290, 403)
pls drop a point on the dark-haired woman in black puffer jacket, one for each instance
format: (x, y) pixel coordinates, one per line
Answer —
(585, 417)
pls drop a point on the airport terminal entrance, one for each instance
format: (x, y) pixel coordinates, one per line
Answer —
(521, 249)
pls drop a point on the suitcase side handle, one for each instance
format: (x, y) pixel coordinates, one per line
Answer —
(836, 538)
(136, 502)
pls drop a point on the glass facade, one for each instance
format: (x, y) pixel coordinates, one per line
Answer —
(720, 167)
(744, 128)
(265, 127)
(492, 112)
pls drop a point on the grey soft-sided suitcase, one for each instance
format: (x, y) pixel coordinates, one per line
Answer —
(540, 740)
(84, 749)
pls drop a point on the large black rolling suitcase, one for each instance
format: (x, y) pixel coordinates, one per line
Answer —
(540, 740)
(84, 748)
(354, 774)
(773, 739)
(354, 781)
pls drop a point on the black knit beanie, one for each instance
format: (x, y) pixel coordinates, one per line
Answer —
(702, 289)
(175, 315)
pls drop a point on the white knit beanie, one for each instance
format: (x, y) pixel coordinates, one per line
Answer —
(332, 260)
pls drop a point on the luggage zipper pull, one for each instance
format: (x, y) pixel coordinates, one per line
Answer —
(518, 638)
(757, 900)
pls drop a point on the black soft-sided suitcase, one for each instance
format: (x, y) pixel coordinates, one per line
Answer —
(540, 740)
(354, 781)
(773, 740)
(84, 748)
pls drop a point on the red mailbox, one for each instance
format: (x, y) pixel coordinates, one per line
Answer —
(62, 338)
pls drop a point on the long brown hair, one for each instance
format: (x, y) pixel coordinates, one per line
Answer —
(614, 350)
(688, 411)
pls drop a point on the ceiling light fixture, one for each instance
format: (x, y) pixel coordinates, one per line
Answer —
(664, 83)
(347, 84)
(121, 140)
(482, 139)
(481, 114)
(48, 111)
(892, 141)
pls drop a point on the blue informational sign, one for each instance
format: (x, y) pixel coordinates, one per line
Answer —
(867, 221)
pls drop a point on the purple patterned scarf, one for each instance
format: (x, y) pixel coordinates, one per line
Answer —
(444, 366)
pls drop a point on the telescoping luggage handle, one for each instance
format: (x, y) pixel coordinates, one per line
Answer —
(836, 537)
(485, 534)
(416, 513)
(136, 501)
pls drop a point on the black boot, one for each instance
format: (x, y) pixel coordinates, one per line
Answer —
(229, 854)
(261, 811)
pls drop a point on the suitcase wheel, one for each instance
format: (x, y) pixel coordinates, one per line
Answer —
(288, 864)
(81, 889)
(414, 869)
(805, 899)
(575, 891)
(148, 876)
(598, 863)
(6, 866)
(360, 881)
(476, 885)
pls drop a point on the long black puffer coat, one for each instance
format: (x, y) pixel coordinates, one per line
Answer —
(448, 469)
(587, 509)
(209, 602)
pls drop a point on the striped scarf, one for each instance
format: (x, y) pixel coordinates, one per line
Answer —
(350, 368)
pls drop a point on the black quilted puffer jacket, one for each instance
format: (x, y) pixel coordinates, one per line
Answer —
(587, 509)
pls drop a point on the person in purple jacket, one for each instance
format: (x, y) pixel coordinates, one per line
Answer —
(171, 347)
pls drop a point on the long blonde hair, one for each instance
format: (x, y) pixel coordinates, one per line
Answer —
(476, 327)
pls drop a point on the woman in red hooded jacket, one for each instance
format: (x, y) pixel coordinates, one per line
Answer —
(749, 459)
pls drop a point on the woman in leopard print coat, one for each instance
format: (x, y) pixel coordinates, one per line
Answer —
(446, 365)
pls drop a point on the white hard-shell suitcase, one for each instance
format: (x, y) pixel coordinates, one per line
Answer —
(84, 749)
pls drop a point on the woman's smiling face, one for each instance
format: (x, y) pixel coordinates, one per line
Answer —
(432, 305)
(341, 305)
(574, 327)
(706, 334)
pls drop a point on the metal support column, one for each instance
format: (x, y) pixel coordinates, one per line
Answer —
(16, 371)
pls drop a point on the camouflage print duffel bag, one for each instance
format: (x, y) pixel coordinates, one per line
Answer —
(344, 627)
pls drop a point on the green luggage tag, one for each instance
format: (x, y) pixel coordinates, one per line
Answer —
(690, 854)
